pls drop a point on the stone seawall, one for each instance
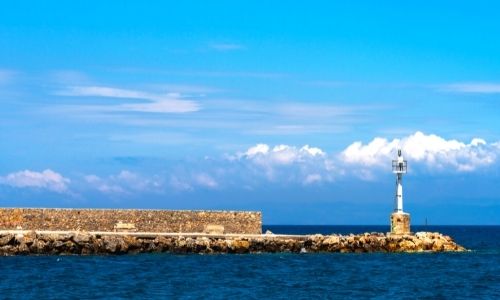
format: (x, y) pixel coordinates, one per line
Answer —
(240, 222)
(62, 243)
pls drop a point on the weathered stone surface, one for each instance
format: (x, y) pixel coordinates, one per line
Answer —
(240, 246)
(124, 227)
(38, 247)
(238, 222)
(29, 237)
(23, 249)
(400, 223)
(81, 238)
(6, 239)
(214, 229)
(86, 243)
(115, 244)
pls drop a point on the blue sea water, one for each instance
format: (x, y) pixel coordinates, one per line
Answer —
(472, 275)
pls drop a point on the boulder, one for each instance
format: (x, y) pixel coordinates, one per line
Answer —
(38, 246)
(449, 247)
(420, 235)
(419, 244)
(391, 246)
(58, 244)
(19, 238)
(406, 246)
(29, 237)
(438, 245)
(317, 238)
(331, 240)
(81, 238)
(240, 246)
(23, 249)
(8, 250)
(6, 239)
(111, 244)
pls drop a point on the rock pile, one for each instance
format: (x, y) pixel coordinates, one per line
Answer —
(32, 242)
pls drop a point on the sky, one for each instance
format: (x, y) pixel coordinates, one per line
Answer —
(294, 109)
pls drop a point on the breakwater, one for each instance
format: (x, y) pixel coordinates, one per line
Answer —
(22, 242)
(143, 220)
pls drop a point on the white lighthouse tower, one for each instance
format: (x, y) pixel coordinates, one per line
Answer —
(400, 221)
(399, 167)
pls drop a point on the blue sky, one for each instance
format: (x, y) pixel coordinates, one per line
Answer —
(295, 110)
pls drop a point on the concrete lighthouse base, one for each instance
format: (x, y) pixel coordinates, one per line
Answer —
(400, 223)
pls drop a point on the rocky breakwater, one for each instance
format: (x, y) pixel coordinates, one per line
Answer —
(31, 242)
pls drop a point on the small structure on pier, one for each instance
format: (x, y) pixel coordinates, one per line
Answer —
(400, 221)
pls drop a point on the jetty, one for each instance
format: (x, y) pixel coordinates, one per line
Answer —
(122, 231)
(24, 242)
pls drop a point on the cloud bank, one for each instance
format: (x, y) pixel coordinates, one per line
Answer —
(426, 153)
(283, 165)
(435, 152)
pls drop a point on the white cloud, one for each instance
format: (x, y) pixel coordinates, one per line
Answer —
(46, 179)
(473, 87)
(205, 180)
(370, 154)
(154, 102)
(280, 154)
(435, 152)
(180, 185)
(102, 91)
(285, 163)
(103, 186)
(429, 154)
(92, 178)
(313, 151)
(257, 149)
(189, 181)
(137, 182)
(312, 178)
(125, 182)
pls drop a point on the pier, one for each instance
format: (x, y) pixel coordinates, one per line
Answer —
(25, 242)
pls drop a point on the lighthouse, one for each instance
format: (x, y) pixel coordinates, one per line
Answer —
(400, 221)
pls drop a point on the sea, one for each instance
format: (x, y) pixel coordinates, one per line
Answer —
(469, 275)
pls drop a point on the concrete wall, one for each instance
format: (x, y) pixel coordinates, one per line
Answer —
(400, 223)
(143, 220)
